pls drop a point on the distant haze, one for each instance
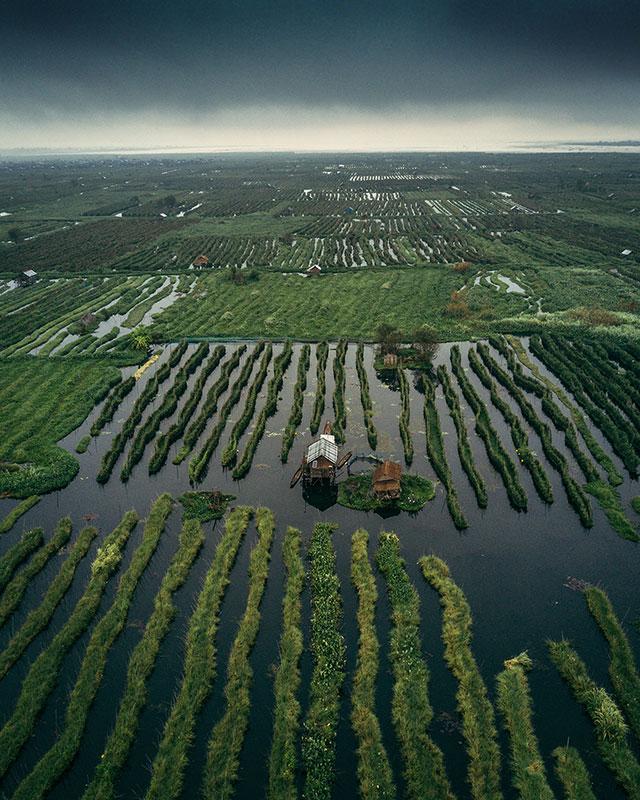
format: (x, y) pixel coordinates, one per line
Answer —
(295, 74)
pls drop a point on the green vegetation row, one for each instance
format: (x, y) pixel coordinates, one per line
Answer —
(15, 555)
(14, 515)
(322, 355)
(17, 586)
(575, 493)
(286, 714)
(295, 418)
(622, 666)
(405, 416)
(464, 448)
(280, 366)
(328, 650)
(199, 668)
(514, 703)
(227, 737)
(518, 434)
(600, 456)
(374, 771)
(43, 673)
(608, 721)
(198, 465)
(230, 452)
(130, 424)
(424, 769)
(49, 769)
(177, 429)
(141, 664)
(167, 407)
(39, 617)
(478, 723)
(339, 376)
(210, 403)
(495, 451)
(365, 398)
(609, 501)
(437, 455)
(573, 774)
(592, 398)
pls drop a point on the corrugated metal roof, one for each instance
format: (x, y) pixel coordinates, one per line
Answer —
(29, 273)
(323, 447)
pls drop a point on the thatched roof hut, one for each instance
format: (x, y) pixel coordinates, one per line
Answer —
(386, 480)
(390, 361)
(200, 261)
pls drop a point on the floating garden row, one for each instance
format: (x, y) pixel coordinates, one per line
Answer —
(322, 355)
(405, 416)
(365, 398)
(339, 376)
(295, 417)
(15, 555)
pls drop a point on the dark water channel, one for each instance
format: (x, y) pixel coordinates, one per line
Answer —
(511, 566)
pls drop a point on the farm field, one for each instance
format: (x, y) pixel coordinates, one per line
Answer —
(179, 617)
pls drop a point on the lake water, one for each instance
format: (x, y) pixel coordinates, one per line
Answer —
(512, 568)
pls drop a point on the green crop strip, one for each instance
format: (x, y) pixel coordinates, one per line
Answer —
(328, 650)
(147, 396)
(339, 376)
(498, 456)
(170, 763)
(17, 586)
(518, 434)
(141, 664)
(49, 769)
(374, 771)
(437, 456)
(83, 444)
(622, 666)
(295, 418)
(609, 501)
(165, 440)
(210, 405)
(478, 723)
(225, 744)
(424, 768)
(608, 721)
(575, 493)
(573, 774)
(14, 515)
(280, 366)
(514, 703)
(322, 355)
(464, 448)
(112, 403)
(592, 399)
(230, 452)
(166, 408)
(613, 476)
(286, 715)
(43, 673)
(29, 541)
(365, 398)
(39, 617)
(405, 416)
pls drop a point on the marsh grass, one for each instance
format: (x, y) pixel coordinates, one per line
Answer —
(227, 737)
(43, 673)
(199, 668)
(609, 501)
(15, 555)
(286, 715)
(424, 768)
(573, 774)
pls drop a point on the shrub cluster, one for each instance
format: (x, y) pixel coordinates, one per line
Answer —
(464, 448)
(478, 723)
(227, 737)
(199, 668)
(270, 407)
(295, 418)
(424, 769)
(328, 650)
(286, 714)
(322, 355)
(437, 455)
(43, 672)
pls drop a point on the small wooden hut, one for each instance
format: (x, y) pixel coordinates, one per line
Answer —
(321, 462)
(314, 269)
(386, 480)
(28, 277)
(390, 361)
(200, 261)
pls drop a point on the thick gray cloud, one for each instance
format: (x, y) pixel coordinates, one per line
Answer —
(72, 59)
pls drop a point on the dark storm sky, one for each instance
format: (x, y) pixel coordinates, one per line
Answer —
(112, 63)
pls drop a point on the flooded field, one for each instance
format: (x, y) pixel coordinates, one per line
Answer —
(521, 571)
